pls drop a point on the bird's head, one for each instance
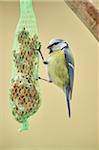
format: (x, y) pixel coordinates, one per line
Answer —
(57, 44)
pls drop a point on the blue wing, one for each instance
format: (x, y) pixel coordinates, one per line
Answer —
(67, 91)
(69, 87)
(70, 64)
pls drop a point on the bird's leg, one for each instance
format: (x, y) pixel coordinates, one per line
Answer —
(39, 50)
(44, 62)
(39, 78)
(41, 53)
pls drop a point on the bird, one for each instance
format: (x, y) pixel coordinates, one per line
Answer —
(60, 68)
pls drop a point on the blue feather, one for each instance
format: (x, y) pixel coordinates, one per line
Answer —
(70, 63)
(71, 77)
(67, 92)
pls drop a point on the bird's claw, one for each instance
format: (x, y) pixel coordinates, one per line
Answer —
(45, 62)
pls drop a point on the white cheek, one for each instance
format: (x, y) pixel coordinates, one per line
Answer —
(58, 46)
(55, 47)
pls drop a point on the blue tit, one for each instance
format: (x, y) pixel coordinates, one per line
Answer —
(60, 67)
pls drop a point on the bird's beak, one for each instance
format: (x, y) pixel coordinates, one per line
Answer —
(50, 50)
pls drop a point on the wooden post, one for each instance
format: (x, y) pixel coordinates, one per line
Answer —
(87, 13)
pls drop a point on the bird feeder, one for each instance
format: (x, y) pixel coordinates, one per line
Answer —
(24, 88)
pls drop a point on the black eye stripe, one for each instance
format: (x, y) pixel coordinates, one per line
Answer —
(53, 44)
(50, 46)
(56, 43)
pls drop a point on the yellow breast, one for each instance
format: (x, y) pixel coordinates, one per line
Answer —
(57, 69)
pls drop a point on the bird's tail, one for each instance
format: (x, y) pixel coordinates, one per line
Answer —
(67, 93)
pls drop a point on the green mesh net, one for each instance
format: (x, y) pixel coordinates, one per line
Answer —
(24, 88)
